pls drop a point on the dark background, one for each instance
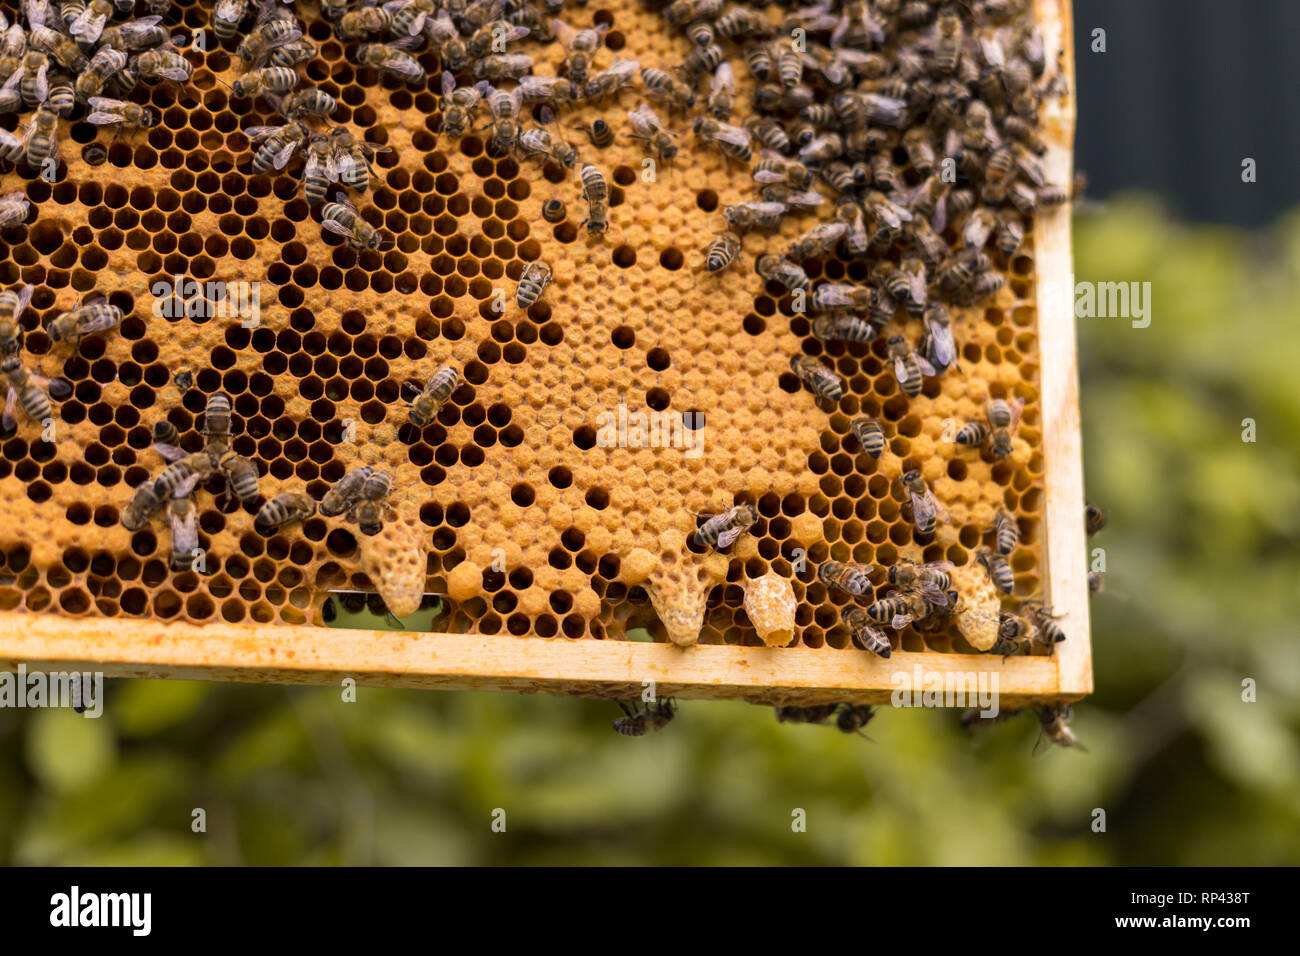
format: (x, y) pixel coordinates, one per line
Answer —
(1186, 89)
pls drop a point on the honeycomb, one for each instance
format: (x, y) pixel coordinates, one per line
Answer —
(531, 527)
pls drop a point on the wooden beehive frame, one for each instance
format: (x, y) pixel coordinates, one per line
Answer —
(311, 655)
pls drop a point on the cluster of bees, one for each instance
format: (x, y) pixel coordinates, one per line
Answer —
(29, 391)
(72, 56)
(270, 54)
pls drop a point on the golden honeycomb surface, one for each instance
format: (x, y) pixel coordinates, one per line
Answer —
(531, 527)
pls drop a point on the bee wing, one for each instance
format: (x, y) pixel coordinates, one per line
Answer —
(565, 32)
(170, 453)
(102, 118)
(1017, 409)
(185, 529)
(86, 25)
(448, 83)
(140, 25)
(924, 365)
(42, 83)
(727, 537)
(900, 621)
(14, 79)
(284, 155)
(623, 68)
(7, 418)
(102, 323)
(1039, 748)
(10, 100)
(732, 134)
(256, 134)
(313, 166)
(933, 593)
(104, 103)
(25, 293)
(334, 226)
(724, 80)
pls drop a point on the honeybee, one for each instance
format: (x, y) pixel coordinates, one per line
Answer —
(240, 475)
(1054, 729)
(719, 531)
(774, 168)
(668, 89)
(939, 346)
(179, 478)
(551, 90)
(352, 158)
(144, 503)
(41, 141)
(780, 269)
(345, 492)
(1094, 518)
(610, 81)
(319, 169)
(925, 507)
(85, 320)
(183, 519)
(596, 192)
(267, 79)
(135, 35)
(284, 508)
(769, 133)
(163, 64)
(293, 53)
(646, 126)
(1003, 417)
(538, 143)
(504, 107)
(599, 132)
(532, 282)
(166, 441)
(29, 84)
(999, 570)
(89, 23)
(832, 296)
(62, 48)
(503, 66)
(899, 609)
(106, 62)
(1049, 632)
(341, 217)
(816, 714)
(579, 47)
(13, 302)
(407, 18)
(1024, 132)
(436, 391)
(721, 101)
(1006, 533)
(869, 435)
(62, 98)
(29, 392)
(1011, 232)
(821, 381)
(932, 580)
(553, 210)
(853, 717)
(308, 102)
(369, 511)
(391, 60)
(228, 14)
(754, 215)
(277, 144)
(722, 251)
(458, 105)
(849, 577)
(107, 112)
(865, 634)
(842, 327)
(817, 242)
(267, 35)
(909, 367)
(638, 723)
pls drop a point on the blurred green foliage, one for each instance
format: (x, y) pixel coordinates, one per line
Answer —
(1203, 571)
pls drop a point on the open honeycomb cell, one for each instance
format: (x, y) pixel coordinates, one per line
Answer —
(530, 525)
